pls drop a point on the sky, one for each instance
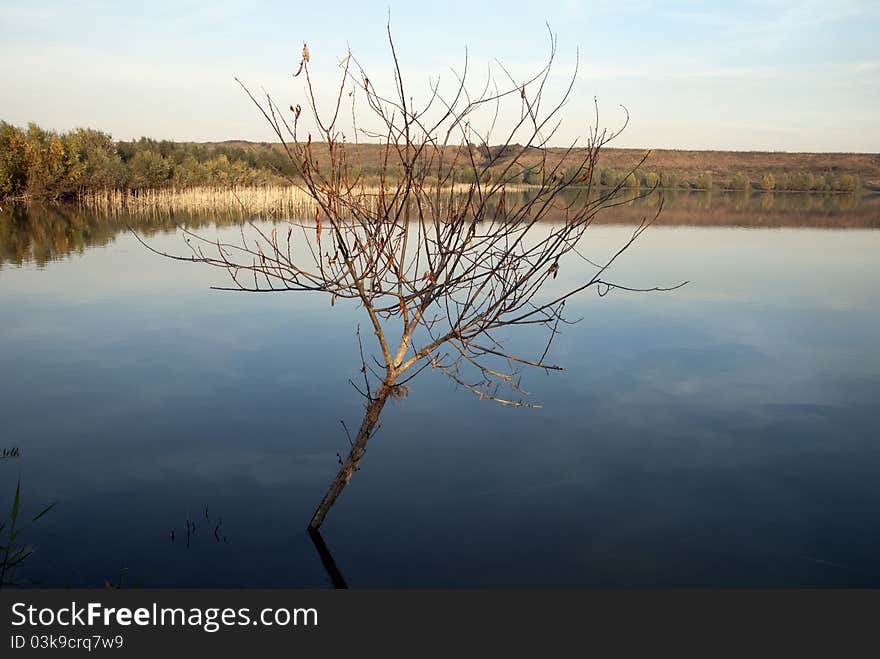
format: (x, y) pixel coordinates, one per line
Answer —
(770, 76)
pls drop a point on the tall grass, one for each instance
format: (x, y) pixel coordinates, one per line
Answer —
(288, 201)
(277, 201)
(269, 200)
(12, 555)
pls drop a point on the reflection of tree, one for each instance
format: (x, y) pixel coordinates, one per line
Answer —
(703, 199)
(327, 561)
(41, 234)
(740, 200)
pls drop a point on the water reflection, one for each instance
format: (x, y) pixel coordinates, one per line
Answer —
(722, 436)
(41, 234)
(327, 561)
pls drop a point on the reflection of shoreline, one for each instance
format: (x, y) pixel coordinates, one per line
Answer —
(41, 234)
(754, 209)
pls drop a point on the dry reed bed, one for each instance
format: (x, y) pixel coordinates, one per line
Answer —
(285, 202)
(268, 201)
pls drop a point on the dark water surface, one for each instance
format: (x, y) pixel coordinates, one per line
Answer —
(726, 434)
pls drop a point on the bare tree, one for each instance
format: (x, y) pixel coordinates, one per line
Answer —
(435, 245)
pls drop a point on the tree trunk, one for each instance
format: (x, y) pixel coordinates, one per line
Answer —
(354, 455)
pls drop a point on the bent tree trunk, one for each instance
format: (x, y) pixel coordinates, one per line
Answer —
(354, 455)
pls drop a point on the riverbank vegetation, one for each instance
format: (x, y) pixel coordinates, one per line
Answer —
(88, 165)
(41, 164)
(42, 233)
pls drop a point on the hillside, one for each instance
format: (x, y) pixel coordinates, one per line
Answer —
(722, 165)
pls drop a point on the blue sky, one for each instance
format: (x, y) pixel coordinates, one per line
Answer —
(772, 75)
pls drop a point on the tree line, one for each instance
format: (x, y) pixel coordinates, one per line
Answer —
(36, 163)
(44, 164)
(768, 182)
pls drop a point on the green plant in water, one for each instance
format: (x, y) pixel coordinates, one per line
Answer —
(13, 555)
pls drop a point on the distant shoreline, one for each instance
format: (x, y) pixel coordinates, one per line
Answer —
(39, 164)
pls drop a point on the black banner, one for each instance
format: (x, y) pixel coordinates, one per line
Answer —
(428, 623)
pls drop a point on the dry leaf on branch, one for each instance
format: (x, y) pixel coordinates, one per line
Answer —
(302, 62)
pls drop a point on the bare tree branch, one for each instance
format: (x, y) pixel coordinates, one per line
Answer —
(445, 247)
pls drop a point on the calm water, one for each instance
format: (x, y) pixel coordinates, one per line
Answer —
(726, 434)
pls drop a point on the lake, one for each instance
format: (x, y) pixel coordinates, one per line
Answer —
(725, 434)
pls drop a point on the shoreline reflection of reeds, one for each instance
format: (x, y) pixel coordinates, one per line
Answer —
(43, 233)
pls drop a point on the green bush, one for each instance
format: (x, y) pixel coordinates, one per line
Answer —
(611, 178)
(532, 176)
(819, 184)
(704, 181)
(668, 180)
(845, 183)
(13, 160)
(651, 180)
(148, 169)
(802, 181)
(739, 181)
